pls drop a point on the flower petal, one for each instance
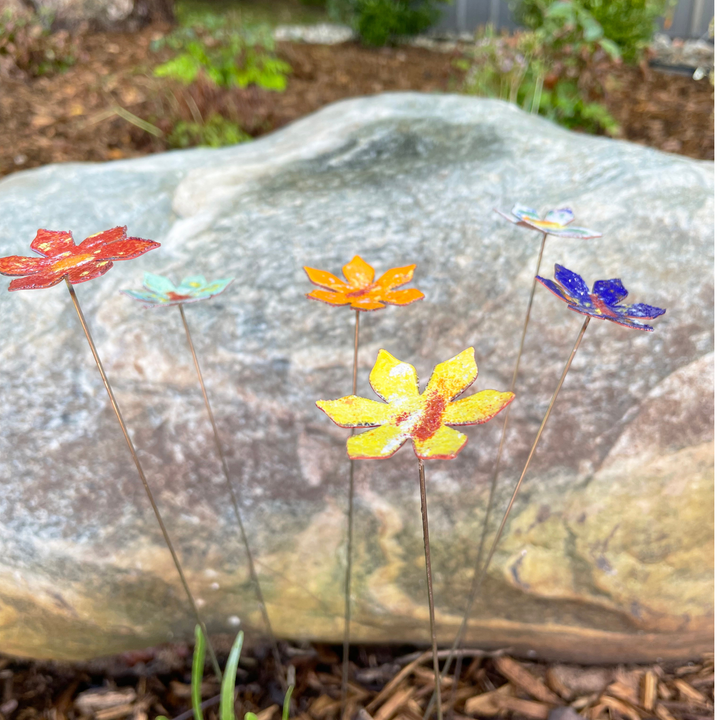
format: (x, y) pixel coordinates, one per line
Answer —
(445, 444)
(555, 289)
(521, 212)
(89, 271)
(569, 232)
(573, 284)
(611, 292)
(366, 303)
(381, 442)
(395, 277)
(451, 377)
(402, 297)
(19, 265)
(627, 322)
(100, 239)
(194, 282)
(353, 411)
(478, 408)
(326, 280)
(53, 242)
(127, 249)
(358, 273)
(393, 380)
(643, 311)
(146, 296)
(329, 297)
(36, 282)
(158, 283)
(560, 216)
(508, 217)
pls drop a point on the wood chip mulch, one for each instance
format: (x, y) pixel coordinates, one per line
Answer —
(385, 686)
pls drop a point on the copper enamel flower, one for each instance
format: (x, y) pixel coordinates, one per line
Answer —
(360, 290)
(63, 259)
(408, 415)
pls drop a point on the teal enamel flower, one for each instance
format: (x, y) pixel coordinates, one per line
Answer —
(158, 290)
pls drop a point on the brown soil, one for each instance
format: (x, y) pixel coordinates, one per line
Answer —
(384, 684)
(73, 116)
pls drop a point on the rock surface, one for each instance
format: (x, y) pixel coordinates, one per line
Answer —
(608, 553)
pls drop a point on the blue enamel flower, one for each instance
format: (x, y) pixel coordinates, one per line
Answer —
(555, 222)
(158, 290)
(604, 302)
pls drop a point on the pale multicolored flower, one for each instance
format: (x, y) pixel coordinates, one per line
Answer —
(159, 291)
(555, 222)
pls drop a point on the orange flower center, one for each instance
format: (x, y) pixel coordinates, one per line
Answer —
(71, 262)
(432, 417)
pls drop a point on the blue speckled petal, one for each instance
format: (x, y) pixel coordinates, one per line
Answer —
(145, 296)
(611, 292)
(643, 311)
(194, 282)
(554, 288)
(573, 284)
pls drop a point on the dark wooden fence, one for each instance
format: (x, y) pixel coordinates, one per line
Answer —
(690, 20)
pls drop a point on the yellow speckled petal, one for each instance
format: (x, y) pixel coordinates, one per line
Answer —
(445, 444)
(381, 442)
(354, 411)
(478, 408)
(451, 377)
(393, 380)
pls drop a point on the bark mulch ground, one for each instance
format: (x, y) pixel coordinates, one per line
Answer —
(385, 684)
(89, 112)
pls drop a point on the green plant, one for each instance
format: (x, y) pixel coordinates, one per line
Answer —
(230, 56)
(629, 24)
(380, 22)
(29, 45)
(215, 132)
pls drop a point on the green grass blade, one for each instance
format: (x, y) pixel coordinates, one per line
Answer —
(227, 692)
(286, 703)
(198, 665)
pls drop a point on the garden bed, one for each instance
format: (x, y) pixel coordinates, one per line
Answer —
(99, 109)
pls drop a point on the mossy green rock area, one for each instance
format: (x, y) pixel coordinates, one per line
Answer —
(608, 554)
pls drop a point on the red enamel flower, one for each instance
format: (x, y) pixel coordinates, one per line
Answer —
(62, 258)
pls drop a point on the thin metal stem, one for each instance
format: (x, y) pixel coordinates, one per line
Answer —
(233, 497)
(348, 560)
(428, 570)
(460, 635)
(500, 529)
(141, 473)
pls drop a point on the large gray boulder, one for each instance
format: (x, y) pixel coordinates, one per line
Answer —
(608, 552)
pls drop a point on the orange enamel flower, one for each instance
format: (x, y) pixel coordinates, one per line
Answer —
(360, 290)
(408, 415)
(62, 258)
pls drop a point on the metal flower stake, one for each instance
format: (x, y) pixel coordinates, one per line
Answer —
(557, 222)
(62, 260)
(361, 292)
(159, 291)
(425, 419)
(603, 303)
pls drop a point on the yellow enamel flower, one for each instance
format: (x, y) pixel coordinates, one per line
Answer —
(408, 415)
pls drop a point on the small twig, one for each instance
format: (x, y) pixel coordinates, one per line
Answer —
(405, 659)
(141, 473)
(348, 561)
(138, 122)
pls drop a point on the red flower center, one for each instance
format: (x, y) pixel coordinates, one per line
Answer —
(431, 419)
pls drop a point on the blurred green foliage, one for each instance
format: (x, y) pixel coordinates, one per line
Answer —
(230, 55)
(381, 22)
(215, 132)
